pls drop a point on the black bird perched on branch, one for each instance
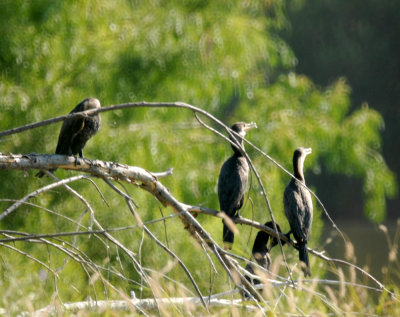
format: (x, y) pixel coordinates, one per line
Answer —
(76, 131)
(299, 208)
(261, 249)
(232, 181)
(261, 253)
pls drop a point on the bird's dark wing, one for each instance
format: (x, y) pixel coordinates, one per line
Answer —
(232, 185)
(298, 210)
(68, 132)
(260, 243)
(69, 129)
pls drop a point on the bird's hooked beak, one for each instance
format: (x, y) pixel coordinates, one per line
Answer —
(249, 126)
(308, 151)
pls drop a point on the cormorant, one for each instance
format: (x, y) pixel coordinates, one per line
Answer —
(299, 208)
(261, 251)
(232, 181)
(75, 132)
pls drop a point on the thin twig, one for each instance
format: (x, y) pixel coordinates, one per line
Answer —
(152, 236)
(37, 192)
(29, 256)
(234, 141)
(160, 105)
(150, 184)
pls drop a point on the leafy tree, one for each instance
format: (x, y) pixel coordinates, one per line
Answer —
(359, 40)
(223, 56)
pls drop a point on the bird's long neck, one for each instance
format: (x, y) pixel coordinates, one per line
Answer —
(236, 151)
(298, 163)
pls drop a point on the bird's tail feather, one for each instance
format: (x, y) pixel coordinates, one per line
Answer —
(40, 174)
(228, 235)
(303, 256)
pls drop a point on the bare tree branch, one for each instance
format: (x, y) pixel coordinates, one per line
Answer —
(145, 304)
(236, 143)
(148, 182)
(215, 300)
(28, 256)
(170, 105)
(152, 236)
(37, 192)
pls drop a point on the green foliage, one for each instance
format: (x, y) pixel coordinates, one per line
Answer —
(299, 113)
(223, 56)
(358, 40)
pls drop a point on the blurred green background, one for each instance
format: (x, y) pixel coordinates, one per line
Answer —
(276, 63)
(357, 40)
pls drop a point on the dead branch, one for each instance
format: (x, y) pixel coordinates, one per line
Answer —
(21, 201)
(141, 178)
(142, 304)
(147, 181)
(152, 236)
(216, 300)
(234, 141)
(183, 105)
